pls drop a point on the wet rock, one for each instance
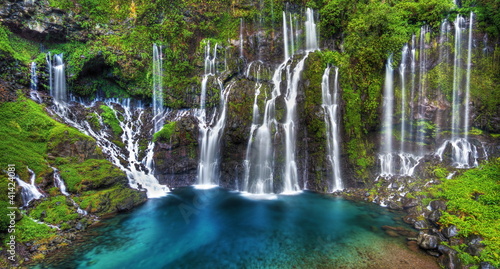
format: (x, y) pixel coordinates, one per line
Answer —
(486, 265)
(449, 258)
(421, 225)
(409, 202)
(450, 231)
(474, 245)
(434, 216)
(427, 241)
(438, 205)
(433, 253)
(394, 206)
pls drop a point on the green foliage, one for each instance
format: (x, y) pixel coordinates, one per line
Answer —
(474, 206)
(28, 230)
(166, 132)
(55, 210)
(91, 174)
(109, 117)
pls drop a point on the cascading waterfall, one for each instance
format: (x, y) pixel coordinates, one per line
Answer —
(311, 31)
(158, 111)
(330, 106)
(290, 176)
(385, 157)
(262, 182)
(422, 89)
(402, 70)
(464, 154)
(57, 77)
(140, 173)
(259, 163)
(34, 84)
(285, 37)
(211, 130)
(59, 182)
(29, 191)
(241, 37)
(33, 77)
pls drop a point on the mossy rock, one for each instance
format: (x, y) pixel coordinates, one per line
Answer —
(90, 175)
(64, 141)
(116, 199)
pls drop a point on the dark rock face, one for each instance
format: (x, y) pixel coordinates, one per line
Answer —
(176, 159)
(37, 21)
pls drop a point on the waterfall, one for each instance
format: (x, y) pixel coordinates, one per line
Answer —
(311, 35)
(330, 106)
(463, 153)
(402, 70)
(413, 70)
(292, 33)
(34, 84)
(290, 174)
(260, 157)
(211, 130)
(140, 173)
(422, 91)
(59, 182)
(285, 37)
(467, 78)
(29, 191)
(385, 157)
(457, 78)
(262, 183)
(157, 88)
(33, 77)
(241, 37)
(57, 77)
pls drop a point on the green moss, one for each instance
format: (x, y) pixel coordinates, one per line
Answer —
(166, 132)
(27, 230)
(63, 135)
(55, 210)
(109, 117)
(473, 201)
(91, 174)
(115, 199)
(24, 128)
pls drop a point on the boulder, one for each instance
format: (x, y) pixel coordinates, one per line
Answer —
(449, 259)
(421, 225)
(427, 241)
(474, 246)
(438, 205)
(409, 202)
(450, 231)
(434, 216)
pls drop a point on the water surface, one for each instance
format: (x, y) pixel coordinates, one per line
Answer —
(216, 228)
